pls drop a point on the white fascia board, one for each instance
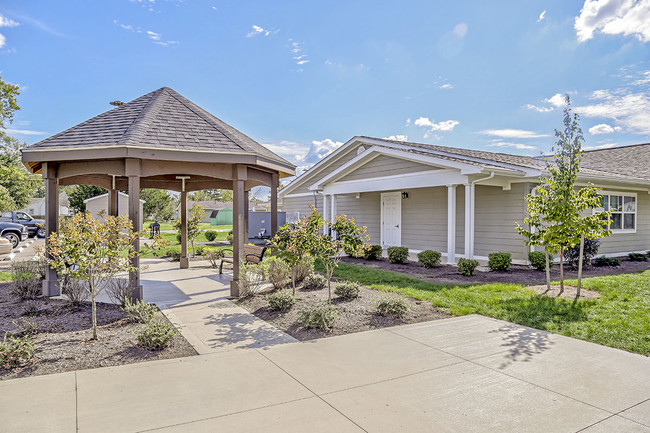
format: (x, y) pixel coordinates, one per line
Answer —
(319, 165)
(421, 179)
(526, 170)
(375, 151)
(613, 179)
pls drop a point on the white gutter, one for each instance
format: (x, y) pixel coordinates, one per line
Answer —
(472, 216)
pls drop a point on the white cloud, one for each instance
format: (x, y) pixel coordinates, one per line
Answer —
(512, 133)
(7, 22)
(318, 151)
(603, 128)
(614, 17)
(629, 110)
(557, 100)
(447, 86)
(24, 132)
(257, 31)
(539, 109)
(645, 79)
(541, 16)
(519, 146)
(445, 125)
(297, 52)
(3, 40)
(398, 137)
(153, 35)
(304, 156)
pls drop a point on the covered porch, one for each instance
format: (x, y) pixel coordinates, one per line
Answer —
(159, 140)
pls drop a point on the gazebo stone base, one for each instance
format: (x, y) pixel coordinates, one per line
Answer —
(51, 288)
(234, 289)
(185, 262)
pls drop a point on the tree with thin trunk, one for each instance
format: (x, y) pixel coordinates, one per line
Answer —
(194, 217)
(92, 250)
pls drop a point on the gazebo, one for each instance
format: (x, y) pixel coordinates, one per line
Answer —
(159, 140)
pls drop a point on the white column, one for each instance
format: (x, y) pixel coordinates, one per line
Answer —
(451, 224)
(469, 253)
(333, 212)
(324, 213)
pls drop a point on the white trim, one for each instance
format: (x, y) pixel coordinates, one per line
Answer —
(468, 220)
(302, 194)
(333, 212)
(106, 195)
(451, 224)
(325, 213)
(623, 231)
(387, 183)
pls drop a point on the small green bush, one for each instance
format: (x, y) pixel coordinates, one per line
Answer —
(200, 250)
(320, 316)
(606, 261)
(429, 258)
(173, 254)
(392, 306)
(215, 257)
(499, 262)
(210, 235)
(467, 266)
(303, 269)
(347, 290)
(398, 254)
(374, 252)
(74, 289)
(139, 311)
(230, 237)
(314, 282)
(178, 237)
(281, 301)
(156, 335)
(251, 278)
(277, 271)
(637, 257)
(16, 350)
(537, 260)
(26, 279)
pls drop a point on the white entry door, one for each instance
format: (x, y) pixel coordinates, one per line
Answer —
(391, 219)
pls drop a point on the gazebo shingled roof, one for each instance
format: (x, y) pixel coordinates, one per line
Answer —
(159, 140)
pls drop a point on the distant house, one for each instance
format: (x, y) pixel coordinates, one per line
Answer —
(95, 205)
(36, 207)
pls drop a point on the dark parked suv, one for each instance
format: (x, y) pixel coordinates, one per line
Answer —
(14, 232)
(35, 227)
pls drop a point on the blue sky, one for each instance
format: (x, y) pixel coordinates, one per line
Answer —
(303, 77)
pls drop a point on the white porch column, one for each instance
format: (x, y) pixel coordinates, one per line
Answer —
(469, 253)
(325, 227)
(333, 212)
(451, 224)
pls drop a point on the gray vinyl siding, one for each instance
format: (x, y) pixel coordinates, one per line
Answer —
(301, 204)
(386, 166)
(351, 154)
(628, 242)
(424, 219)
(496, 212)
(366, 211)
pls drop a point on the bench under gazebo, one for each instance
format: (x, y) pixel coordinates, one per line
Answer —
(159, 140)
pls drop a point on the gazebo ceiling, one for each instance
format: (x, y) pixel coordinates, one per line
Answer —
(162, 129)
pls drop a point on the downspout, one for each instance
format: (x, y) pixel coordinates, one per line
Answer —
(472, 216)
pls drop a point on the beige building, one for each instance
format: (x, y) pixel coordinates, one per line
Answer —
(461, 202)
(98, 205)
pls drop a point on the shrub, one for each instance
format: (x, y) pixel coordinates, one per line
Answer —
(347, 290)
(178, 238)
(214, 256)
(398, 254)
(31, 309)
(15, 350)
(373, 253)
(26, 279)
(277, 271)
(118, 290)
(392, 306)
(499, 262)
(210, 235)
(537, 260)
(156, 335)
(314, 282)
(429, 258)
(320, 316)
(139, 311)
(606, 261)
(467, 266)
(303, 269)
(230, 237)
(281, 301)
(637, 257)
(572, 255)
(173, 254)
(251, 278)
(200, 250)
(74, 289)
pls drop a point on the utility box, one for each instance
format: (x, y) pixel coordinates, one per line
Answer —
(259, 224)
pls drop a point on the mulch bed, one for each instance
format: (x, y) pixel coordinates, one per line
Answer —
(63, 334)
(353, 315)
(518, 274)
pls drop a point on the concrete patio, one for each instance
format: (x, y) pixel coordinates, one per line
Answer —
(466, 374)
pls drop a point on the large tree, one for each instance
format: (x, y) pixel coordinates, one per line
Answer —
(158, 204)
(81, 193)
(224, 195)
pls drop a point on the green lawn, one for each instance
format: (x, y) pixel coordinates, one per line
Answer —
(620, 318)
(202, 226)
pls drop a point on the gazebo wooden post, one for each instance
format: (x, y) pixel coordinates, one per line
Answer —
(51, 283)
(185, 261)
(274, 203)
(246, 210)
(239, 176)
(132, 168)
(113, 197)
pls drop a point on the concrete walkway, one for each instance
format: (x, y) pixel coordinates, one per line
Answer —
(196, 300)
(466, 374)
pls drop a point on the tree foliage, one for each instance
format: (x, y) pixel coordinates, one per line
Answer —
(158, 204)
(92, 250)
(194, 217)
(81, 193)
(224, 195)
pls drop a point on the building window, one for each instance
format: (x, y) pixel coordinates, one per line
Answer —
(623, 211)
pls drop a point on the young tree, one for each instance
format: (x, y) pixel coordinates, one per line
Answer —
(195, 215)
(561, 215)
(92, 250)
